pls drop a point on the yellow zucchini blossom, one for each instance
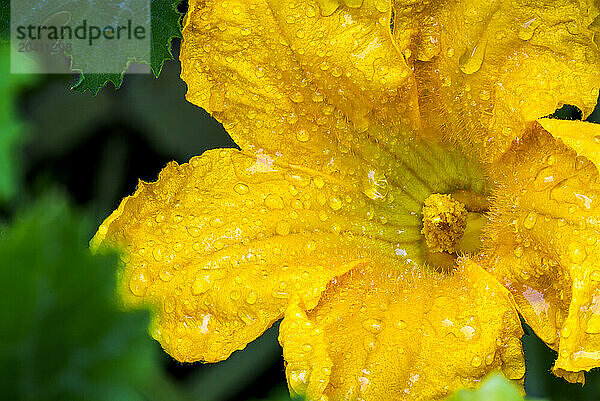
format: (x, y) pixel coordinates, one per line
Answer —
(397, 196)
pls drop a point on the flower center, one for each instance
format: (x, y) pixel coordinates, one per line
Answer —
(452, 224)
(424, 197)
(444, 222)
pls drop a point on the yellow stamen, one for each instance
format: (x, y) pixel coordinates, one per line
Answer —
(444, 222)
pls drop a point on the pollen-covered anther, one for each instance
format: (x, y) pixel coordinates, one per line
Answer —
(444, 222)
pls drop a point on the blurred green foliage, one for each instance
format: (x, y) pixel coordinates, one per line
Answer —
(63, 336)
(495, 388)
(12, 128)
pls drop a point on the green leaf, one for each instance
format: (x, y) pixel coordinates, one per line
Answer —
(165, 24)
(63, 336)
(495, 388)
(12, 129)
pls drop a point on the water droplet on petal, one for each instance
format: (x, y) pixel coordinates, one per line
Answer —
(544, 179)
(527, 29)
(274, 201)
(139, 282)
(251, 298)
(530, 220)
(165, 275)
(577, 252)
(282, 227)
(306, 348)
(518, 251)
(470, 62)
(302, 135)
(372, 325)
(297, 97)
(335, 203)
(201, 285)
(241, 188)
(319, 182)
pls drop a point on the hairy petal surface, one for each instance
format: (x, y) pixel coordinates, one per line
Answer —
(581, 136)
(487, 68)
(381, 332)
(221, 244)
(285, 78)
(543, 245)
(218, 246)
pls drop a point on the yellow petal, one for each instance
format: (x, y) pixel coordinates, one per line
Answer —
(543, 246)
(381, 332)
(487, 68)
(219, 245)
(284, 78)
(582, 136)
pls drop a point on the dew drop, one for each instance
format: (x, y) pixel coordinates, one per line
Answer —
(400, 324)
(165, 275)
(518, 251)
(489, 358)
(577, 252)
(282, 227)
(318, 97)
(297, 97)
(306, 348)
(157, 253)
(323, 216)
(369, 344)
(375, 186)
(335, 203)
(527, 30)
(193, 231)
(241, 188)
(251, 298)
(170, 304)
(470, 62)
(139, 282)
(310, 12)
(274, 201)
(530, 220)
(201, 285)
(544, 179)
(302, 135)
(372, 325)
